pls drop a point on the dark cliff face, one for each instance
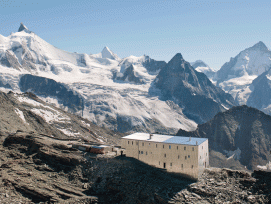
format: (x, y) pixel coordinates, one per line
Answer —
(261, 94)
(153, 65)
(201, 100)
(48, 87)
(240, 127)
(128, 76)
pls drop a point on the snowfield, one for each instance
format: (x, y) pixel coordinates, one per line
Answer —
(236, 76)
(107, 101)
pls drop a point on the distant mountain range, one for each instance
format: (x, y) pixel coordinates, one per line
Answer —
(121, 94)
(246, 77)
(241, 133)
(236, 76)
(133, 93)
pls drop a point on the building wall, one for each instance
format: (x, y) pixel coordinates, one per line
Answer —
(176, 158)
(203, 156)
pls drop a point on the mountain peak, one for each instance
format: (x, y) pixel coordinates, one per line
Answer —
(260, 45)
(198, 63)
(107, 53)
(106, 49)
(178, 56)
(22, 28)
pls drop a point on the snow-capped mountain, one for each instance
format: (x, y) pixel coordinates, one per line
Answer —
(236, 76)
(85, 84)
(192, 90)
(106, 54)
(201, 66)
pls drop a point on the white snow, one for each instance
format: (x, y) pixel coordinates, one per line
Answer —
(50, 116)
(236, 154)
(92, 77)
(21, 115)
(29, 101)
(239, 87)
(69, 132)
(267, 167)
(250, 63)
(51, 100)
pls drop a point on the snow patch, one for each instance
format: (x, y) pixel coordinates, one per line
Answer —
(236, 154)
(50, 116)
(21, 115)
(267, 167)
(69, 132)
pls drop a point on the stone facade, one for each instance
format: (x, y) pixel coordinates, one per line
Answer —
(188, 156)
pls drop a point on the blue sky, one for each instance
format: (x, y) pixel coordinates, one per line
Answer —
(212, 31)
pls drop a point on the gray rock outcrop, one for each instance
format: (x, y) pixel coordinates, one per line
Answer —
(192, 90)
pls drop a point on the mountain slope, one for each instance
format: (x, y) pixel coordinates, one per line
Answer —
(236, 75)
(201, 66)
(241, 132)
(260, 96)
(121, 105)
(26, 112)
(179, 82)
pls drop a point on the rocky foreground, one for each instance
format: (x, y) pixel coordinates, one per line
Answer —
(227, 186)
(36, 169)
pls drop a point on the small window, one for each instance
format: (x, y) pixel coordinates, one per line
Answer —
(182, 166)
(188, 156)
(165, 155)
(163, 146)
(142, 143)
(132, 143)
(138, 152)
(141, 152)
(192, 148)
(185, 157)
(128, 142)
(178, 156)
(136, 143)
(146, 153)
(177, 147)
(159, 162)
(192, 166)
(184, 148)
(156, 145)
(170, 164)
(169, 146)
(151, 152)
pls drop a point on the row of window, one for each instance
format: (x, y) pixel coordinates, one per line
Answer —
(169, 146)
(164, 165)
(165, 155)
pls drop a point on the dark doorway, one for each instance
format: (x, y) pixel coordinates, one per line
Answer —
(164, 165)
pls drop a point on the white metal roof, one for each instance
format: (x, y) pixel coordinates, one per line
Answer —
(166, 139)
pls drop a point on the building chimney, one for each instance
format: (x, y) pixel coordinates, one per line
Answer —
(196, 142)
(150, 136)
(189, 139)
